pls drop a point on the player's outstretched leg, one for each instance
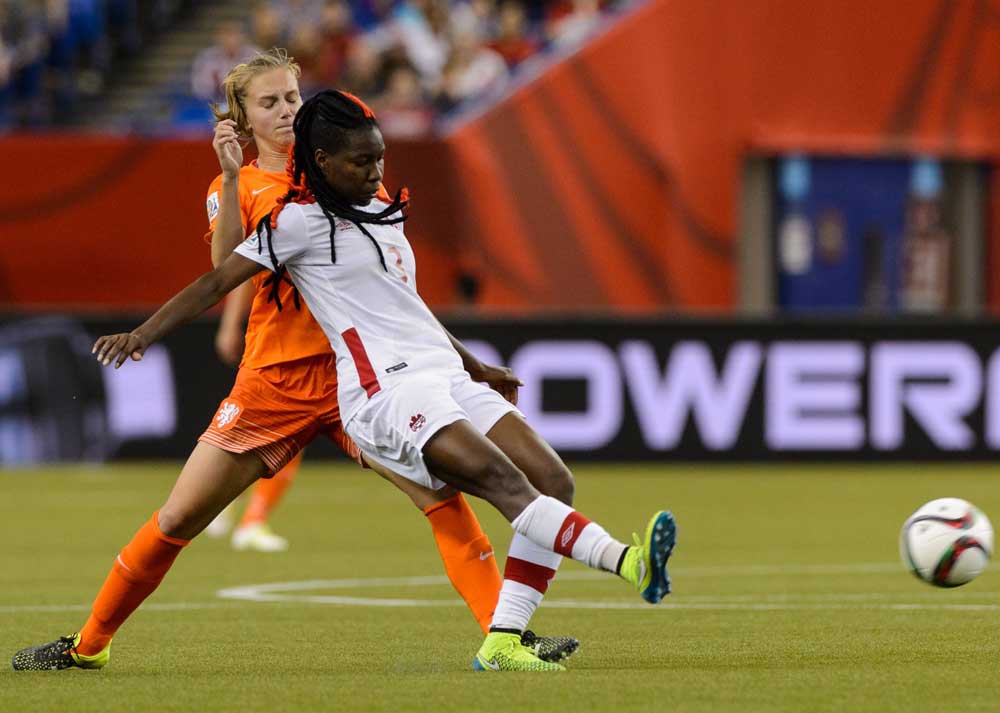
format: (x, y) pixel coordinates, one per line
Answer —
(136, 573)
(469, 560)
(643, 564)
(209, 481)
(463, 458)
(530, 569)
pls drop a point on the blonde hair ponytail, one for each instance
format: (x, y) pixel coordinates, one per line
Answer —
(236, 82)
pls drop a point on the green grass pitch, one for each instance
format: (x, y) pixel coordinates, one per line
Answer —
(788, 596)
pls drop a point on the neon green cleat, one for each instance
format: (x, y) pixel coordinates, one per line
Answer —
(58, 655)
(645, 563)
(504, 652)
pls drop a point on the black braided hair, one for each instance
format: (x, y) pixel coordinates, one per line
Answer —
(280, 273)
(323, 121)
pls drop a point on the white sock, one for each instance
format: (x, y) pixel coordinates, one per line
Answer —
(559, 528)
(526, 577)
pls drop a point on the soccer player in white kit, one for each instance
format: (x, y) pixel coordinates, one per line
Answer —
(406, 395)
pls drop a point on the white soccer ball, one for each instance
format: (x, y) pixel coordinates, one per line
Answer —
(947, 542)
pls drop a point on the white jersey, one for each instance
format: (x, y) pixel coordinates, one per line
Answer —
(379, 327)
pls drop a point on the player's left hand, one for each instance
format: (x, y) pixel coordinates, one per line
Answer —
(118, 348)
(500, 379)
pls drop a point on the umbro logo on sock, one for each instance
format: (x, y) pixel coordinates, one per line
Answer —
(567, 534)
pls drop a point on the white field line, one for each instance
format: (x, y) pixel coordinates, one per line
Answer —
(169, 606)
(297, 593)
(564, 604)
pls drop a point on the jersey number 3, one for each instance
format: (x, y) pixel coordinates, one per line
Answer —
(394, 251)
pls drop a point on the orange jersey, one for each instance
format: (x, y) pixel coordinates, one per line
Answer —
(272, 337)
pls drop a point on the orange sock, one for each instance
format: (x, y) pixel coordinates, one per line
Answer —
(267, 493)
(467, 555)
(136, 573)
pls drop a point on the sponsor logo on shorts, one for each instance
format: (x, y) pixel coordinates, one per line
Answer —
(567, 534)
(396, 367)
(417, 422)
(485, 555)
(225, 417)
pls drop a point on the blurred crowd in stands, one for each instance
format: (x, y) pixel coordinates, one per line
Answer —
(413, 60)
(54, 52)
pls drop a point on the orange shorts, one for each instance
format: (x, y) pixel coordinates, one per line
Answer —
(278, 410)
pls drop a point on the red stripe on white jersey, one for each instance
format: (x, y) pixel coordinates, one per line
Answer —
(366, 373)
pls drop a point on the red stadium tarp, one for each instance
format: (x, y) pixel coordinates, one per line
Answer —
(100, 223)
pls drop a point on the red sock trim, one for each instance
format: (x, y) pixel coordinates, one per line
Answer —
(568, 533)
(528, 573)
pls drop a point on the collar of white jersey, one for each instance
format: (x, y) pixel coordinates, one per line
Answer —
(375, 205)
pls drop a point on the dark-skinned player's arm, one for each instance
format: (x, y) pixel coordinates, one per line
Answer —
(499, 378)
(187, 304)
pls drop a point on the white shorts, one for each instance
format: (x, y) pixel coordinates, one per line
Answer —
(395, 425)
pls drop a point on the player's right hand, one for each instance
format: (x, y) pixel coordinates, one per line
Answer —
(226, 143)
(118, 348)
